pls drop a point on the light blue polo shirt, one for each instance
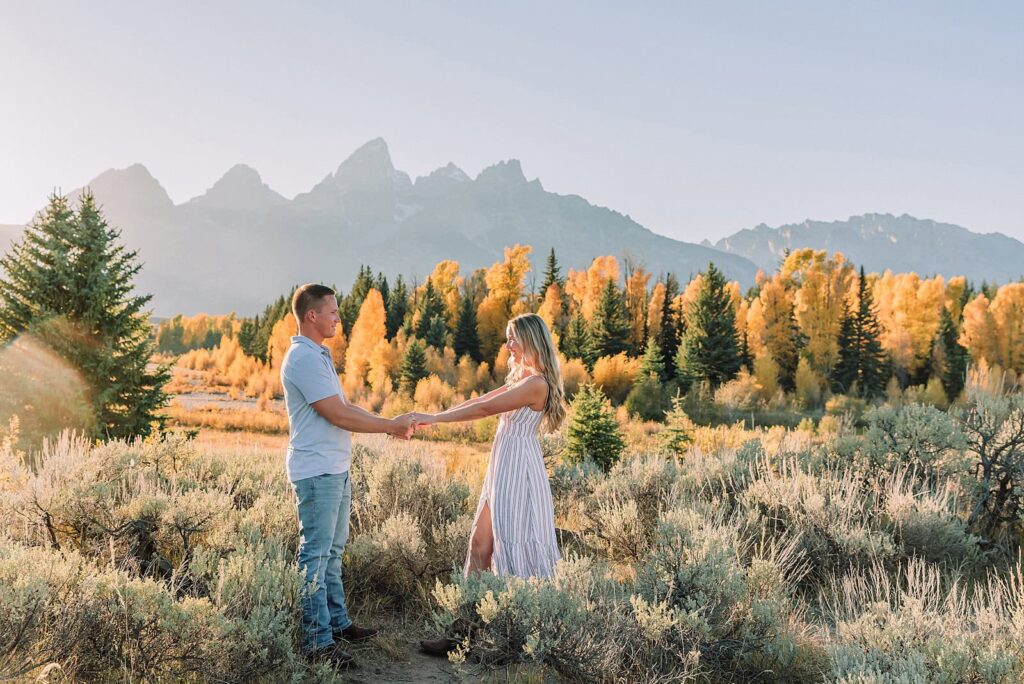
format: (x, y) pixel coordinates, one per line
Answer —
(315, 446)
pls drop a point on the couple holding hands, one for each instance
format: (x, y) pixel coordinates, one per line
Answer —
(513, 531)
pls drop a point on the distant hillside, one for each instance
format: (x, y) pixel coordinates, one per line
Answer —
(884, 241)
(240, 244)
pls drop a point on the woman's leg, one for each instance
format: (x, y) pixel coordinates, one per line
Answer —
(481, 544)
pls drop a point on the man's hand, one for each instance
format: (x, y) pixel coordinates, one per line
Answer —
(403, 426)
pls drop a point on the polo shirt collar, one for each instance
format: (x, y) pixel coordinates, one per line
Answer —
(302, 339)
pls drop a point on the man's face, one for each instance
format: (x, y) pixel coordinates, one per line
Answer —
(325, 317)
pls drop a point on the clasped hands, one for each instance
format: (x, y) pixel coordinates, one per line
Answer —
(407, 423)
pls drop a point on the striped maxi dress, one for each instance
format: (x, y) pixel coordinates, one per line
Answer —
(516, 487)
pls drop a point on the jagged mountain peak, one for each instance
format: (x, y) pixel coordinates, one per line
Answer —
(134, 181)
(240, 188)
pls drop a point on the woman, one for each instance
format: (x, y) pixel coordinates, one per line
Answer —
(514, 529)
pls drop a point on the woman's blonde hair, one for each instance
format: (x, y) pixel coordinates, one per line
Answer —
(535, 341)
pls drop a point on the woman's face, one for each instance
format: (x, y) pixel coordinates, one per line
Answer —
(515, 347)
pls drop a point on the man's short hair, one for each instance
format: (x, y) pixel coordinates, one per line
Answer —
(307, 298)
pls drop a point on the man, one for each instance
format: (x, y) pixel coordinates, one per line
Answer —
(320, 423)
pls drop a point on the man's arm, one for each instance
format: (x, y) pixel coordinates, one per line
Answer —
(356, 419)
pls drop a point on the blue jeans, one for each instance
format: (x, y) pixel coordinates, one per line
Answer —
(323, 503)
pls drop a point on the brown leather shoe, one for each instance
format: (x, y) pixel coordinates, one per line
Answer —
(438, 647)
(333, 656)
(353, 634)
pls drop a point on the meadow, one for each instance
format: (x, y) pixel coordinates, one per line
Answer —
(884, 552)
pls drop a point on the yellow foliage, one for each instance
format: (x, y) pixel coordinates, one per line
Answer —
(574, 375)
(909, 311)
(433, 394)
(979, 333)
(280, 339)
(446, 281)
(1008, 314)
(808, 385)
(506, 283)
(551, 309)
(367, 331)
(585, 287)
(636, 305)
(442, 364)
(337, 346)
(766, 372)
(615, 375)
(823, 285)
(383, 365)
(654, 310)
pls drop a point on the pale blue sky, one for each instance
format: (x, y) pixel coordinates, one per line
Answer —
(697, 119)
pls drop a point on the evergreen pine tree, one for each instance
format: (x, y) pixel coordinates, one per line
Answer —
(861, 359)
(576, 343)
(398, 304)
(952, 356)
(668, 336)
(710, 346)
(552, 273)
(593, 433)
(844, 375)
(466, 339)
(651, 363)
(348, 310)
(677, 435)
(610, 327)
(432, 325)
(413, 367)
(648, 398)
(264, 325)
(69, 284)
(381, 285)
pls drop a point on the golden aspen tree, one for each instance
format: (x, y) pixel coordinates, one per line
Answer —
(551, 309)
(654, 309)
(280, 339)
(337, 345)
(979, 333)
(636, 305)
(955, 289)
(383, 366)
(506, 283)
(909, 309)
(585, 288)
(755, 327)
(368, 330)
(684, 302)
(824, 285)
(1008, 313)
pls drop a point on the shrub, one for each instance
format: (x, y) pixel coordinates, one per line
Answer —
(648, 399)
(433, 394)
(614, 375)
(593, 432)
(742, 392)
(919, 626)
(574, 376)
(808, 385)
(994, 428)
(913, 436)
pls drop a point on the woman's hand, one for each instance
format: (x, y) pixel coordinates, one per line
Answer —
(421, 419)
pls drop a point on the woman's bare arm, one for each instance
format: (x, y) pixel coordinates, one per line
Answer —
(526, 392)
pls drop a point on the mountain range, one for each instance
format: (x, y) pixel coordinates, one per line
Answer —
(885, 241)
(240, 244)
